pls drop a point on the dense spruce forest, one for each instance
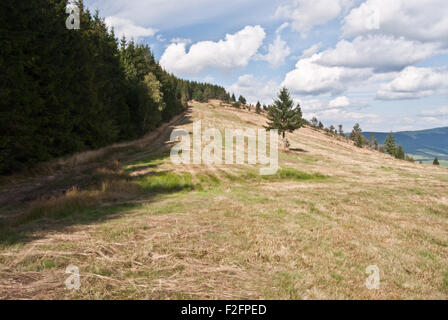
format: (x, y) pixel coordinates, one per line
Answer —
(63, 91)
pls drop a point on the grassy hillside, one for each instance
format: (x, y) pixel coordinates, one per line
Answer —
(138, 226)
(423, 144)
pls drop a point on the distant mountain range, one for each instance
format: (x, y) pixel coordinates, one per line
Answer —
(423, 144)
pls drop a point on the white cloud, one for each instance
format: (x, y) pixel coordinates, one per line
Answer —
(423, 20)
(305, 14)
(382, 53)
(312, 105)
(342, 102)
(181, 40)
(414, 83)
(128, 28)
(310, 78)
(282, 27)
(255, 89)
(234, 52)
(311, 50)
(438, 112)
(339, 102)
(277, 53)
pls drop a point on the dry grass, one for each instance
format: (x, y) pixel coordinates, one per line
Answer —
(151, 230)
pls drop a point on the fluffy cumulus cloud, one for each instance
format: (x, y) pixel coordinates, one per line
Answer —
(255, 89)
(414, 83)
(422, 20)
(277, 53)
(312, 105)
(128, 28)
(235, 51)
(311, 78)
(342, 102)
(338, 102)
(380, 52)
(304, 14)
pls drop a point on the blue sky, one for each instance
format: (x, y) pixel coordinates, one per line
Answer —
(381, 63)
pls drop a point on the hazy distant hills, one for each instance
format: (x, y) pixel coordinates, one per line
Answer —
(423, 144)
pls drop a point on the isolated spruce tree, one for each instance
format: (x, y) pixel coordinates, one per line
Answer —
(340, 130)
(320, 125)
(399, 154)
(282, 115)
(265, 108)
(314, 122)
(436, 162)
(356, 136)
(242, 100)
(258, 107)
(390, 146)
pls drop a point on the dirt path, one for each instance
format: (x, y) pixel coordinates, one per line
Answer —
(61, 175)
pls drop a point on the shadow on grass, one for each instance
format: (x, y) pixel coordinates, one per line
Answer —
(297, 150)
(107, 193)
(112, 199)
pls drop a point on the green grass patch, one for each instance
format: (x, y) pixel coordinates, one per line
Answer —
(427, 255)
(148, 162)
(166, 182)
(289, 174)
(281, 211)
(337, 277)
(295, 175)
(206, 181)
(167, 208)
(35, 263)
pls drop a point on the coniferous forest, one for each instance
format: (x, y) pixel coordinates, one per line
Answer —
(63, 91)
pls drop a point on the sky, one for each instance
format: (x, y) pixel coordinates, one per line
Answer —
(380, 63)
